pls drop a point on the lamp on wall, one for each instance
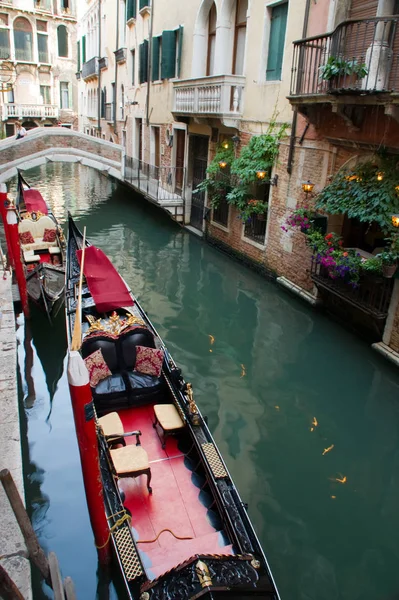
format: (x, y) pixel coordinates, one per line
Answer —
(222, 164)
(261, 174)
(225, 144)
(395, 220)
(307, 187)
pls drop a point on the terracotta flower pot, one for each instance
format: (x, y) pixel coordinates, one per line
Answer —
(389, 270)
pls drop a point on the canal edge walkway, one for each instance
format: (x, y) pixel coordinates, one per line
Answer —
(13, 552)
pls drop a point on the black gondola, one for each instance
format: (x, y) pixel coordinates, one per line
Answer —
(42, 248)
(190, 535)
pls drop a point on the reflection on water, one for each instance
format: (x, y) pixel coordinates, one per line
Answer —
(278, 382)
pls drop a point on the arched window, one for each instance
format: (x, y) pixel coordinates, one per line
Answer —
(239, 37)
(62, 34)
(23, 39)
(4, 44)
(210, 67)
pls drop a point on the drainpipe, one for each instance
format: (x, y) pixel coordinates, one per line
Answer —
(99, 70)
(114, 99)
(149, 64)
(295, 115)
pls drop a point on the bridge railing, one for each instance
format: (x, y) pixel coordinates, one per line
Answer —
(22, 111)
(159, 183)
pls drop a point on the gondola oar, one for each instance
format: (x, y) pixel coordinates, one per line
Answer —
(77, 328)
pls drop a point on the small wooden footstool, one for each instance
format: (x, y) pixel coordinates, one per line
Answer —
(168, 419)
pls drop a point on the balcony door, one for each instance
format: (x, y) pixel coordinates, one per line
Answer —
(180, 144)
(199, 152)
(210, 66)
(240, 37)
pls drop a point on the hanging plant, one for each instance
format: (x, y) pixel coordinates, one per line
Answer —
(368, 193)
(218, 182)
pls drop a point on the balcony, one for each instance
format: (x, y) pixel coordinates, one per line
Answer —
(369, 43)
(24, 111)
(103, 63)
(120, 55)
(220, 96)
(90, 69)
(372, 296)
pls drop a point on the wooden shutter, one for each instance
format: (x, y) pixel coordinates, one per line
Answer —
(78, 55)
(362, 9)
(156, 48)
(131, 7)
(278, 27)
(168, 63)
(143, 60)
(179, 56)
(83, 49)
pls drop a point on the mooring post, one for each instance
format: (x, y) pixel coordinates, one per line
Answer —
(36, 553)
(8, 589)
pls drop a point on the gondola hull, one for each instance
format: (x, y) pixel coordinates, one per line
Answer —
(190, 535)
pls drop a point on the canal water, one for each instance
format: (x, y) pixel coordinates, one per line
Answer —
(305, 414)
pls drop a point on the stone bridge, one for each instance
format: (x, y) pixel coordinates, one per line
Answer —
(59, 144)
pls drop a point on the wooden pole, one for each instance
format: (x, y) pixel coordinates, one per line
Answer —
(69, 589)
(8, 589)
(36, 553)
(56, 579)
(83, 413)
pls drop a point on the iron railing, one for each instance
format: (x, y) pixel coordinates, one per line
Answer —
(159, 183)
(255, 228)
(90, 68)
(365, 50)
(220, 213)
(372, 295)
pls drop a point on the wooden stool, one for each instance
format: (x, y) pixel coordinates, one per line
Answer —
(168, 419)
(131, 461)
(112, 427)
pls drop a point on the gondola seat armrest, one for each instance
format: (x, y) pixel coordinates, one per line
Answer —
(136, 433)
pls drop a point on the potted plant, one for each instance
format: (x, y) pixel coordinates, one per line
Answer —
(339, 69)
(306, 219)
(255, 207)
(389, 263)
(373, 266)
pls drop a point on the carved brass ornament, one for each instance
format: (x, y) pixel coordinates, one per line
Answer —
(145, 596)
(33, 216)
(114, 325)
(192, 405)
(203, 574)
(255, 563)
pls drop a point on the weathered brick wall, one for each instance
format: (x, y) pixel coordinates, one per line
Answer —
(394, 342)
(39, 143)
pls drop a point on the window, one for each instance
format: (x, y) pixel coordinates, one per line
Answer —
(143, 59)
(240, 36)
(64, 94)
(278, 25)
(156, 57)
(133, 71)
(131, 8)
(83, 49)
(78, 55)
(42, 46)
(122, 102)
(210, 66)
(4, 44)
(221, 213)
(10, 97)
(45, 94)
(255, 227)
(179, 48)
(65, 6)
(23, 39)
(103, 102)
(62, 41)
(122, 24)
(168, 54)
(144, 3)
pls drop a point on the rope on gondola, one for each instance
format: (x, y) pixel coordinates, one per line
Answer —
(118, 523)
(163, 530)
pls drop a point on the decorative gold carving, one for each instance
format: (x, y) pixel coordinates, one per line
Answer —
(214, 460)
(203, 574)
(255, 563)
(114, 325)
(192, 405)
(127, 553)
(145, 596)
(33, 216)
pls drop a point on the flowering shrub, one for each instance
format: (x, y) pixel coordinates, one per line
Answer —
(300, 218)
(339, 262)
(253, 207)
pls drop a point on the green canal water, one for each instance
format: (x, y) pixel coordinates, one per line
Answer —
(265, 368)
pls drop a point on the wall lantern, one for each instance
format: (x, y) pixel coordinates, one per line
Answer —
(236, 140)
(261, 174)
(307, 187)
(225, 145)
(395, 220)
(380, 176)
(397, 189)
(222, 164)
(274, 180)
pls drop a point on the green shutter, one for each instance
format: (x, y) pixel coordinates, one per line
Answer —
(131, 9)
(83, 49)
(78, 54)
(144, 3)
(180, 50)
(168, 63)
(143, 60)
(156, 48)
(276, 43)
